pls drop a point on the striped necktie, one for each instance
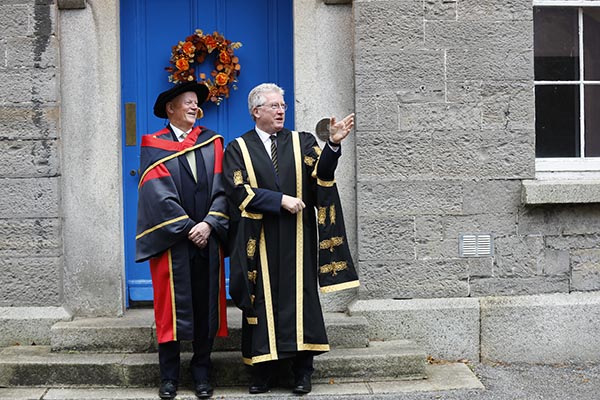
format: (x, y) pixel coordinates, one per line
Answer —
(274, 152)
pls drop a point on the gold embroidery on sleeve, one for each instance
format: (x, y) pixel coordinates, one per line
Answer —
(308, 160)
(251, 248)
(331, 243)
(252, 276)
(317, 150)
(322, 214)
(332, 214)
(333, 268)
(237, 177)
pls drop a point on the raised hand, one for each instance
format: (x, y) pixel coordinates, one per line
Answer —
(339, 130)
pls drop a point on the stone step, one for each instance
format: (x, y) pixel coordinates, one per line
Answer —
(36, 366)
(135, 333)
(441, 379)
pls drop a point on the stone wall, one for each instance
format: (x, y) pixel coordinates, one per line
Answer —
(445, 137)
(30, 170)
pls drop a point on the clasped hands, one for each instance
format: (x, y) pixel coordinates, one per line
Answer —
(200, 233)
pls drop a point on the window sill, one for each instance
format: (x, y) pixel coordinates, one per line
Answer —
(560, 191)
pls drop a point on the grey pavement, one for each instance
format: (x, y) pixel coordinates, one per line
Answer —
(446, 381)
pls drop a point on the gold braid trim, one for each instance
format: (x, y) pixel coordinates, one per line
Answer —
(218, 214)
(323, 183)
(161, 225)
(246, 214)
(332, 214)
(314, 347)
(340, 286)
(331, 243)
(333, 268)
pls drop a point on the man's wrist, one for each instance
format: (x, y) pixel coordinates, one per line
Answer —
(332, 143)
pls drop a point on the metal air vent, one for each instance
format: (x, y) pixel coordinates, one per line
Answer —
(476, 245)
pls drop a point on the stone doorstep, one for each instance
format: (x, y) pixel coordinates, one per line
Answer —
(37, 366)
(29, 325)
(135, 333)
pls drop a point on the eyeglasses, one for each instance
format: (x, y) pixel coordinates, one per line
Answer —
(275, 106)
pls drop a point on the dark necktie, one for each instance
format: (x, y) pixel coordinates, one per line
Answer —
(274, 152)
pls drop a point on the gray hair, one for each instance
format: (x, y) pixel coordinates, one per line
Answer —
(256, 98)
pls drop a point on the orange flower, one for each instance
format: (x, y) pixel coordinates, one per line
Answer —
(224, 57)
(182, 64)
(221, 79)
(210, 42)
(188, 48)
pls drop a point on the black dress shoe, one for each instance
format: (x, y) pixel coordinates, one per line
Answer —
(257, 388)
(303, 385)
(203, 390)
(168, 389)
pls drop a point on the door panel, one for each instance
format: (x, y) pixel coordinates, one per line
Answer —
(148, 31)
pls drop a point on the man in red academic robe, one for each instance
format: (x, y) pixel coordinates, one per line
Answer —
(182, 223)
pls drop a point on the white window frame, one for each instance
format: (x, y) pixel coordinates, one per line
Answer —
(571, 167)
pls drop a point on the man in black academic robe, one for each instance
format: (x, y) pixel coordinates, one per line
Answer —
(182, 221)
(276, 180)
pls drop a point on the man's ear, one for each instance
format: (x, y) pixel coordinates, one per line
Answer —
(169, 108)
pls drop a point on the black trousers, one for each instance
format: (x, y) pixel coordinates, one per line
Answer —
(169, 352)
(302, 365)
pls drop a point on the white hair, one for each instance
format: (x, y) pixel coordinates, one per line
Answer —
(256, 97)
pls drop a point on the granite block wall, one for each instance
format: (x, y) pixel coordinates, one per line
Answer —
(445, 136)
(30, 224)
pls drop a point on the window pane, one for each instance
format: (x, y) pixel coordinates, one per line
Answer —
(592, 121)
(557, 121)
(556, 46)
(591, 43)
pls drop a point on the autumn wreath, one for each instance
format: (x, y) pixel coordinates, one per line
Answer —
(194, 50)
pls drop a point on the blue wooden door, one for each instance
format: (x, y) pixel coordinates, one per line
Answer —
(149, 29)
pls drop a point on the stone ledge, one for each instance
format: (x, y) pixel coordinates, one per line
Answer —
(560, 191)
(447, 328)
(28, 325)
(71, 4)
(554, 328)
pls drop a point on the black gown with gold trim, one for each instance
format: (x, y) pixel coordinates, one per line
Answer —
(274, 269)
